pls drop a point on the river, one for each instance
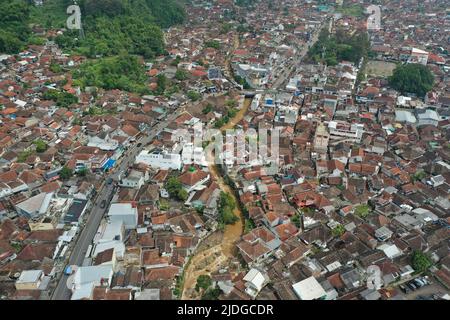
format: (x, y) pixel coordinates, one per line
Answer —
(222, 247)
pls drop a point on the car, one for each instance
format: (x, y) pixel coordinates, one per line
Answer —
(103, 204)
(418, 283)
(405, 289)
(109, 181)
(412, 286)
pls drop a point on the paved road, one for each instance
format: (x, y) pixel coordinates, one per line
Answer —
(284, 76)
(96, 215)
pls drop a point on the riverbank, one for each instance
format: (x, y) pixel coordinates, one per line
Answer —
(219, 249)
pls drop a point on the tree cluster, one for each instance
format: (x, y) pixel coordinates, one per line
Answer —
(412, 78)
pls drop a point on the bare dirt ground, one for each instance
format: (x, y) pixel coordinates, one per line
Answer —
(380, 68)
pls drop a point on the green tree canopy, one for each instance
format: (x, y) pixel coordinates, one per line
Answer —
(65, 173)
(226, 206)
(175, 189)
(14, 20)
(41, 145)
(124, 72)
(412, 78)
(203, 282)
(420, 261)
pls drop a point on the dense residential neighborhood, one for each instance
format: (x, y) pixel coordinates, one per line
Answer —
(107, 194)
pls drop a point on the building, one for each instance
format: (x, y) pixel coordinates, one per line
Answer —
(124, 212)
(255, 280)
(29, 280)
(134, 179)
(345, 130)
(160, 159)
(321, 139)
(76, 211)
(309, 289)
(383, 233)
(86, 278)
(35, 206)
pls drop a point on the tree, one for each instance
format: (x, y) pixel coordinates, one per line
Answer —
(181, 75)
(82, 172)
(249, 225)
(62, 98)
(211, 294)
(65, 173)
(338, 231)
(203, 282)
(207, 109)
(420, 261)
(412, 78)
(103, 7)
(175, 189)
(212, 44)
(123, 72)
(162, 81)
(41, 145)
(226, 206)
(182, 195)
(194, 95)
(14, 21)
(362, 211)
(296, 220)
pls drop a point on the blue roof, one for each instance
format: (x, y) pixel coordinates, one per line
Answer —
(109, 164)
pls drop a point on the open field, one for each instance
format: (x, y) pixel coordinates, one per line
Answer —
(380, 68)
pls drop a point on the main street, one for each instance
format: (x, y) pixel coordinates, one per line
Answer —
(284, 76)
(62, 292)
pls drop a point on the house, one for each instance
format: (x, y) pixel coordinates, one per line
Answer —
(86, 278)
(193, 179)
(29, 280)
(125, 212)
(255, 280)
(35, 206)
(134, 179)
(437, 181)
(383, 233)
(309, 289)
(76, 211)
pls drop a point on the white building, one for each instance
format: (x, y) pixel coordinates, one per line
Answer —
(86, 278)
(125, 213)
(29, 280)
(255, 281)
(346, 130)
(309, 289)
(160, 159)
(105, 144)
(135, 179)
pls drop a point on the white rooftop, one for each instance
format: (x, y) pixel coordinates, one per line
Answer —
(309, 289)
(256, 278)
(28, 276)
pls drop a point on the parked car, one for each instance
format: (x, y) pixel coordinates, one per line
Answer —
(419, 283)
(412, 286)
(404, 289)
